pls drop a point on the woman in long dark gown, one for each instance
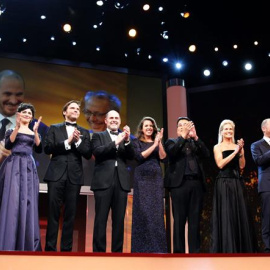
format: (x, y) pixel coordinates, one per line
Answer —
(148, 227)
(232, 228)
(19, 186)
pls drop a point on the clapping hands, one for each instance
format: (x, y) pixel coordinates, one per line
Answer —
(36, 125)
(239, 146)
(159, 136)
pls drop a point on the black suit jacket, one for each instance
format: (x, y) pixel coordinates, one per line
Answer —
(177, 160)
(260, 151)
(62, 159)
(106, 153)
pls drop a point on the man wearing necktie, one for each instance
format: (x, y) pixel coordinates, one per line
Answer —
(185, 180)
(260, 151)
(111, 181)
(67, 143)
(12, 90)
(11, 95)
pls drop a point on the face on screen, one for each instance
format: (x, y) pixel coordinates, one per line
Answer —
(95, 112)
(11, 95)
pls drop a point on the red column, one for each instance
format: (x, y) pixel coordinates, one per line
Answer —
(176, 103)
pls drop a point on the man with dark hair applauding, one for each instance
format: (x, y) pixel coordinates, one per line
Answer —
(66, 143)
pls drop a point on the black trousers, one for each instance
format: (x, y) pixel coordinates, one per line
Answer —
(265, 204)
(114, 198)
(61, 193)
(187, 201)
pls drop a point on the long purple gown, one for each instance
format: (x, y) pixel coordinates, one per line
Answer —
(19, 191)
(148, 227)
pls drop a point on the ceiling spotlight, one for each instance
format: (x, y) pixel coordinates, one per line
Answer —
(132, 32)
(216, 49)
(256, 43)
(178, 65)
(225, 63)
(52, 38)
(67, 27)
(99, 3)
(121, 4)
(146, 7)
(98, 48)
(206, 72)
(185, 13)
(24, 40)
(192, 48)
(0, 39)
(42, 17)
(74, 43)
(235, 46)
(165, 34)
(95, 26)
(126, 55)
(149, 56)
(2, 9)
(165, 59)
(248, 66)
(160, 9)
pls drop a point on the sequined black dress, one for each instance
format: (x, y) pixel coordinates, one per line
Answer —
(148, 228)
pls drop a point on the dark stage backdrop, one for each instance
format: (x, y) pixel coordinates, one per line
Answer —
(247, 104)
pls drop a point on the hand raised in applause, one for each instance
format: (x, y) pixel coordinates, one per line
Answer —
(3, 151)
(159, 136)
(36, 125)
(123, 136)
(18, 120)
(74, 137)
(240, 143)
(193, 132)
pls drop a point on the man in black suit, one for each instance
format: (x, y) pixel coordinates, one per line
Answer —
(111, 182)
(66, 143)
(260, 151)
(185, 180)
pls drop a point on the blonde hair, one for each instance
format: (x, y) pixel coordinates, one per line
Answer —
(222, 124)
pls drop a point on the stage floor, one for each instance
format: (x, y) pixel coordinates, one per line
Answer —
(112, 261)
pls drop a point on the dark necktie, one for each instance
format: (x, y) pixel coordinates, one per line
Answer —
(114, 132)
(71, 124)
(4, 122)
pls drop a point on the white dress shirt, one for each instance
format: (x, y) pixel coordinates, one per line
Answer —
(70, 130)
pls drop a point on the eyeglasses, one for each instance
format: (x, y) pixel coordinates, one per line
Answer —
(96, 114)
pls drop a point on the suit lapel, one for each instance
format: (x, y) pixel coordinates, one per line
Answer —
(265, 144)
(64, 130)
(107, 136)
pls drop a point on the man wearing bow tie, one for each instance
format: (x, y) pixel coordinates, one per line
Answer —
(67, 143)
(111, 182)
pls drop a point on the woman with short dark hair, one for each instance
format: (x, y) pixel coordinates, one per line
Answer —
(19, 185)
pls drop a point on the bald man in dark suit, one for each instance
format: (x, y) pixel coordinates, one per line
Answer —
(111, 182)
